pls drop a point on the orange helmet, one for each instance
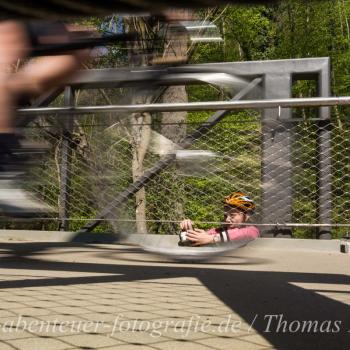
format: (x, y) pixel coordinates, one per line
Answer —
(240, 201)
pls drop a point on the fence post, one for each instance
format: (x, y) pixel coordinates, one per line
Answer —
(324, 144)
(66, 155)
(277, 170)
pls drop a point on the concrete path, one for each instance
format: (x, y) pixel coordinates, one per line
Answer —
(272, 294)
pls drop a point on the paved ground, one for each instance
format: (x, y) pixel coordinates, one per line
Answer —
(74, 296)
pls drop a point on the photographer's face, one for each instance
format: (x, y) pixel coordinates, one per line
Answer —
(233, 217)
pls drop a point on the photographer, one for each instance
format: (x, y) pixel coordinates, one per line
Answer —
(237, 210)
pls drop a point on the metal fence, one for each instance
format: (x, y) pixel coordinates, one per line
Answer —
(103, 155)
(134, 167)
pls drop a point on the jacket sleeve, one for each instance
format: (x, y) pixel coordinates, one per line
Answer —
(213, 231)
(248, 232)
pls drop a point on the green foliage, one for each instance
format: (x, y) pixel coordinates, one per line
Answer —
(288, 29)
(294, 29)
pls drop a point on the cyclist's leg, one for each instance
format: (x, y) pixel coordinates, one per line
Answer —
(14, 45)
(44, 73)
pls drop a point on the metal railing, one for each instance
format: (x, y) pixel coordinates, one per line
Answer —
(194, 106)
(118, 166)
(88, 175)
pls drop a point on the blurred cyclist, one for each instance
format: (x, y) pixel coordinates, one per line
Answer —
(17, 41)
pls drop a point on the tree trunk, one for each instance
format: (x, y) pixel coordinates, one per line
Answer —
(173, 123)
(140, 125)
(140, 138)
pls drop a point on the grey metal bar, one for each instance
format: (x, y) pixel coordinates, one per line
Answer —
(41, 101)
(303, 68)
(276, 146)
(194, 106)
(324, 150)
(271, 224)
(163, 163)
(66, 154)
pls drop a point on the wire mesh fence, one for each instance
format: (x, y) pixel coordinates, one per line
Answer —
(107, 153)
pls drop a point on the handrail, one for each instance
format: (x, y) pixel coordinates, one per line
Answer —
(194, 106)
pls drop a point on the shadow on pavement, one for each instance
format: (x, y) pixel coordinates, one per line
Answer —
(268, 301)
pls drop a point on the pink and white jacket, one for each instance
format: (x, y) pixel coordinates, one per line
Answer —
(239, 233)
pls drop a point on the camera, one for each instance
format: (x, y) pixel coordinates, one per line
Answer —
(183, 240)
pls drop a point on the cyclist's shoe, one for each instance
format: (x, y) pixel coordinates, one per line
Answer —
(15, 158)
(17, 154)
(16, 202)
